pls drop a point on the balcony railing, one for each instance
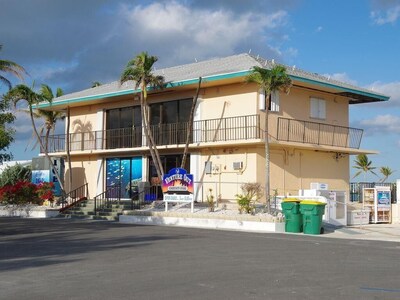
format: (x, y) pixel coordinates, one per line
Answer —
(292, 130)
(213, 130)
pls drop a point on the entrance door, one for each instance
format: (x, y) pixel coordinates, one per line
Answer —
(125, 172)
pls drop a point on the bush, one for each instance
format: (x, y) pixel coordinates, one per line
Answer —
(25, 192)
(251, 192)
(12, 174)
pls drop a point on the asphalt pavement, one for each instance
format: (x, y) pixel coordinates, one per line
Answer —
(77, 259)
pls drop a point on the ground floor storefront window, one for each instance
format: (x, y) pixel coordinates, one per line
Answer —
(125, 172)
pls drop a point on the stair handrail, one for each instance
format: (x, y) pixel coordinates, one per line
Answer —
(73, 197)
(104, 197)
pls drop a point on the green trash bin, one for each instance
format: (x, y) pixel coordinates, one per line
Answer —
(293, 217)
(312, 212)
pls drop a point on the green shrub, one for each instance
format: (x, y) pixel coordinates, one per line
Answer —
(12, 174)
(251, 193)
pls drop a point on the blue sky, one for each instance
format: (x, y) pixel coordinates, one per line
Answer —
(70, 44)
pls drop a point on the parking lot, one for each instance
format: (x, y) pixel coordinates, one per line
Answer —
(74, 259)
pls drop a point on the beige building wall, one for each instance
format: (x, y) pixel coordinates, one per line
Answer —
(291, 169)
(84, 170)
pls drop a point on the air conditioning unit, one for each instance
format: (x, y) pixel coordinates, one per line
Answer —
(319, 186)
(238, 165)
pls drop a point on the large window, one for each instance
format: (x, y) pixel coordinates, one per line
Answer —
(169, 121)
(169, 162)
(124, 127)
(177, 111)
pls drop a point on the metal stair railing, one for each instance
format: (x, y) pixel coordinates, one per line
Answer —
(112, 195)
(73, 197)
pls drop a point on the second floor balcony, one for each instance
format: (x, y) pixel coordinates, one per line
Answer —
(205, 131)
(292, 130)
(240, 128)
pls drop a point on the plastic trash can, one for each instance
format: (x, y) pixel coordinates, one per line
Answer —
(312, 212)
(293, 217)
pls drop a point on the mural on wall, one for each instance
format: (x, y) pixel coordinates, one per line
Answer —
(125, 172)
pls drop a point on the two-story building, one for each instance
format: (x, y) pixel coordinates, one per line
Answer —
(309, 133)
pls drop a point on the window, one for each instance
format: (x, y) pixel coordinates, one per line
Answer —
(124, 127)
(124, 172)
(169, 112)
(317, 108)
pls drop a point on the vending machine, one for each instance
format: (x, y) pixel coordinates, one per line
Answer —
(378, 200)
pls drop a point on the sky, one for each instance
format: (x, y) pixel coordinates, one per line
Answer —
(71, 44)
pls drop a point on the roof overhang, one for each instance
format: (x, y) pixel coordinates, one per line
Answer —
(356, 96)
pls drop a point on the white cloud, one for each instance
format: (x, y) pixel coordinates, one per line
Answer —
(382, 124)
(342, 77)
(390, 15)
(190, 33)
(319, 29)
(391, 89)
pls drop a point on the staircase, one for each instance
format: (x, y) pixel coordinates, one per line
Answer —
(86, 210)
(105, 206)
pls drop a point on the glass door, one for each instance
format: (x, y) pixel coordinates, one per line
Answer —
(124, 172)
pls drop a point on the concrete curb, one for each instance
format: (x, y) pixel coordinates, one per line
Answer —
(207, 223)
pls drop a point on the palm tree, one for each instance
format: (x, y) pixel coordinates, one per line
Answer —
(7, 66)
(190, 125)
(269, 81)
(139, 70)
(363, 165)
(23, 92)
(50, 118)
(386, 172)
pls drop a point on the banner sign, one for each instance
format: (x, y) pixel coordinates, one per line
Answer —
(177, 181)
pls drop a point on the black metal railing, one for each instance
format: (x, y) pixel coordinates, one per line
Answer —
(356, 190)
(73, 197)
(146, 195)
(293, 130)
(112, 195)
(212, 130)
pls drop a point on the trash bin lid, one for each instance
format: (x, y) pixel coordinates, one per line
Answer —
(291, 200)
(310, 202)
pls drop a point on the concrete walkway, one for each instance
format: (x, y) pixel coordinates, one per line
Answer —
(381, 232)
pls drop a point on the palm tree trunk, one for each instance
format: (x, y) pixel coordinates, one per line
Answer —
(159, 165)
(143, 112)
(190, 127)
(45, 150)
(267, 158)
(69, 150)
